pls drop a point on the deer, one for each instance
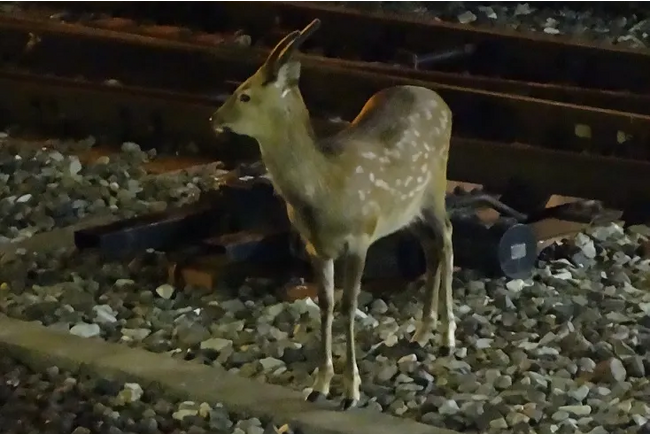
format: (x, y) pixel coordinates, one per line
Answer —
(385, 171)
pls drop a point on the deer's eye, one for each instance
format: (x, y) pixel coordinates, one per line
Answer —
(244, 98)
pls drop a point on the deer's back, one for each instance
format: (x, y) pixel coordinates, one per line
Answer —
(400, 116)
(390, 156)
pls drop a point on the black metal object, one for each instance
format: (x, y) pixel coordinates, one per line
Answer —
(162, 231)
(518, 194)
(243, 204)
(505, 248)
(247, 221)
(253, 246)
(419, 61)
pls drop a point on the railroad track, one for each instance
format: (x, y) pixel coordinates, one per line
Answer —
(387, 38)
(565, 126)
(272, 341)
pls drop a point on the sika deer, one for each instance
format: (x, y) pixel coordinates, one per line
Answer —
(384, 172)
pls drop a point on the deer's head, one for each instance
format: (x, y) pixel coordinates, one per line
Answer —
(258, 103)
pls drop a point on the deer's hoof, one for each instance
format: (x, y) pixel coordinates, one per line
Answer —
(348, 403)
(316, 396)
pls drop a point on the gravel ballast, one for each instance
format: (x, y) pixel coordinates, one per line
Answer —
(629, 30)
(627, 27)
(59, 402)
(563, 352)
(46, 187)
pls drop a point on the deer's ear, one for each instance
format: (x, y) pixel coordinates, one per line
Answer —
(288, 75)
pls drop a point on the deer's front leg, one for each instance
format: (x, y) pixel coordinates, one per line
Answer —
(355, 261)
(324, 272)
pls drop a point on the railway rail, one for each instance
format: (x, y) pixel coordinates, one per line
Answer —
(382, 37)
(574, 325)
(483, 119)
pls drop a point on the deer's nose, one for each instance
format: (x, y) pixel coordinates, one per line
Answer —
(222, 129)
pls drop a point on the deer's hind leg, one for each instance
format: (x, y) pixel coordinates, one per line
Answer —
(435, 232)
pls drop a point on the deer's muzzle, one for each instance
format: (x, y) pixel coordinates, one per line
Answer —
(222, 129)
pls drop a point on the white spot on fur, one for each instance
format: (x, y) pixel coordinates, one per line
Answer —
(362, 195)
(372, 177)
(414, 143)
(416, 157)
(382, 184)
(359, 169)
(419, 180)
(427, 147)
(444, 118)
(437, 130)
(428, 114)
(407, 181)
(423, 168)
(369, 155)
(285, 92)
(416, 133)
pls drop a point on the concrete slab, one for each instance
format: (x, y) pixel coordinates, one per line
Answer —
(38, 346)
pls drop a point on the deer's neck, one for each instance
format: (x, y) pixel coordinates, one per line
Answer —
(291, 155)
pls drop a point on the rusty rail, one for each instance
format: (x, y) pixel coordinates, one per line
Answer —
(156, 116)
(379, 37)
(121, 50)
(487, 124)
(479, 114)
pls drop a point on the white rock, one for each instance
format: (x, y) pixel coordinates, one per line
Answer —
(271, 363)
(515, 285)
(184, 412)
(24, 198)
(466, 17)
(136, 334)
(489, 12)
(449, 407)
(273, 310)
(580, 393)
(85, 330)
(586, 244)
(165, 291)
(121, 283)
(409, 358)
(131, 392)
(75, 167)
(522, 9)
(130, 147)
(391, 341)
(577, 410)
(216, 344)
(104, 314)
(483, 343)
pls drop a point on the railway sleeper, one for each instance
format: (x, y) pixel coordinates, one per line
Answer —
(243, 229)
